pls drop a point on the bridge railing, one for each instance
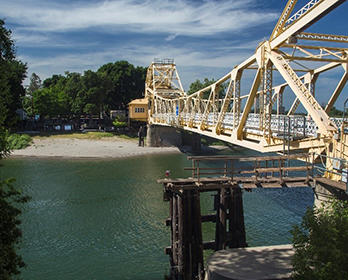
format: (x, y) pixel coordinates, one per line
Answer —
(291, 126)
(259, 168)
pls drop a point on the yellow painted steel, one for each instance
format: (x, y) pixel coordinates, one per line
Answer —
(252, 114)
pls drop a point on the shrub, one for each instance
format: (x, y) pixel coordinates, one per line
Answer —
(320, 243)
(119, 122)
(18, 141)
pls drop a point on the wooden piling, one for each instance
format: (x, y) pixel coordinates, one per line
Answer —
(236, 219)
(187, 245)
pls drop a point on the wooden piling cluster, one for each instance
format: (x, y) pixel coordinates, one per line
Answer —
(187, 244)
(186, 254)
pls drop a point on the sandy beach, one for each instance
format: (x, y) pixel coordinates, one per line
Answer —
(86, 148)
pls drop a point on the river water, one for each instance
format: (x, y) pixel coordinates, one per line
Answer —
(104, 219)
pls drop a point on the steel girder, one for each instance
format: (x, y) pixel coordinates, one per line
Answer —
(248, 113)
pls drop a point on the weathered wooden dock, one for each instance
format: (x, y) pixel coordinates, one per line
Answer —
(227, 177)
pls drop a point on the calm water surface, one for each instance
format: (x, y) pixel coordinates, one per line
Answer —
(104, 219)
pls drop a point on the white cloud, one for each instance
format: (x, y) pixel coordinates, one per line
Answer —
(185, 59)
(156, 16)
(171, 37)
(52, 27)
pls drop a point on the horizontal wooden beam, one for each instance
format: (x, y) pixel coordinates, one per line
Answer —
(213, 184)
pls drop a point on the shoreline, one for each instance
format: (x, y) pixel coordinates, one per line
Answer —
(68, 148)
(105, 148)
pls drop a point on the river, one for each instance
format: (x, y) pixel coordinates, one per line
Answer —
(104, 219)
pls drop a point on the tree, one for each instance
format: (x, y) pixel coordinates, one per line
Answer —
(10, 232)
(128, 83)
(94, 88)
(12, 74)
(43, 101)
(198, 85)
(320, 243)
(27, 101)
(35, 83)
(72, 90)
(113, 86)
(335, 112)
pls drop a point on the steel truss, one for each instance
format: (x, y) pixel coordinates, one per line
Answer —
(251, 114)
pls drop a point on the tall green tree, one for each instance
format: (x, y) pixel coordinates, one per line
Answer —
(72, 90)
(28, 102)
(128, 83)
(94, 88)
(12, 74)
(320, 243)
(57, 95)
(46, 102)
(59, 80)
(35, 83)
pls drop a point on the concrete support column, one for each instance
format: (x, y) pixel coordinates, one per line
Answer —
(163, 136)
(196, 142)
(325, 190)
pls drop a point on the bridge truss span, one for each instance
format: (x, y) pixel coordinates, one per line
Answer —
(246, 106)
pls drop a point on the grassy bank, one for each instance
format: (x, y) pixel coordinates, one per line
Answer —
(83, 135)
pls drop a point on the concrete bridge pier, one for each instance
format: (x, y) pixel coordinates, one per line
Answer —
(326, 189)
(163, 136)
(196, 144)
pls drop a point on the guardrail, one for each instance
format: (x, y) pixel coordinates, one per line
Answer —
(261, 167)
(291, 126)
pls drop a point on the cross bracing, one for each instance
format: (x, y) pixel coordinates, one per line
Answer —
(250, 112)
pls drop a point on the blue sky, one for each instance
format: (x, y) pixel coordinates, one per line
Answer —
(206, 38)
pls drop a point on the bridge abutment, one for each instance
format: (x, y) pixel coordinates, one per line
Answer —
(196, 144)
(326, 189)
(163, 136)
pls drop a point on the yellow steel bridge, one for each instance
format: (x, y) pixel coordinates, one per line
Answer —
(250, 112)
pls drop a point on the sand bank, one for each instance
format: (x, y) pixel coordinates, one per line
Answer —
(86, 148)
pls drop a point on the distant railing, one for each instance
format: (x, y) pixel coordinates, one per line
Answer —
(261, 167)
(163, 61)
(291, 126)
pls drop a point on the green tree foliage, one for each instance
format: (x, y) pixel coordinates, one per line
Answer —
(10, 232)
(198, 85)
(128, 83)
(12, 74)
(45, 102)
(119, 122)
(320, 243)
(113, 86)
(335, 112)
(93, 91)
(18, 141)
(72, 90)
(35, 83)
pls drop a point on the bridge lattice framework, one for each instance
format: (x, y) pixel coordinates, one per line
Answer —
(245, 107)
